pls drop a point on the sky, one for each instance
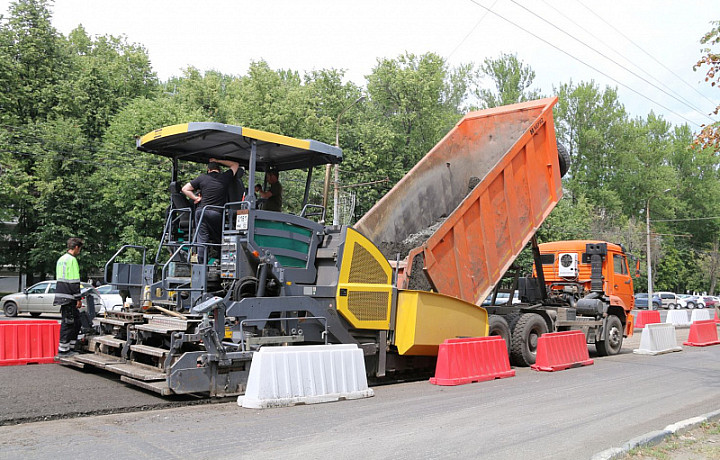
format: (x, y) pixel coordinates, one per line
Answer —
(644, 48)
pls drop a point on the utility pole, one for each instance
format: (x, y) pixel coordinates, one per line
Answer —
(649, 256)
(326, 186)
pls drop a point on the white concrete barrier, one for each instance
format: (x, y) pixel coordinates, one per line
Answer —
(699, 315)
(677, 318)
(657, 339)
(285, 376)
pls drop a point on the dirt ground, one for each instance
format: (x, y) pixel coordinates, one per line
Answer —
(700, 443)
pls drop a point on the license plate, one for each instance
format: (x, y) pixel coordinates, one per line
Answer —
(241, 221)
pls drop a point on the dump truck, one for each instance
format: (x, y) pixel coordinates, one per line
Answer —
(280, 279)
(461, 217)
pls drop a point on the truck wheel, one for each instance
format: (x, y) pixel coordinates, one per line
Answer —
(614, 334)
(498, 326)
(525, 334)
(563, 158)
(10, 309)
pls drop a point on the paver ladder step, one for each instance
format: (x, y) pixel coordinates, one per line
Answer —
(97, 360)
(148, 350)
(108, 340)
(159, 386)
(115, 322)
(136, 371)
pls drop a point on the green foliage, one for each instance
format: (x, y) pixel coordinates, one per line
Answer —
(511, 79)
(709, 137)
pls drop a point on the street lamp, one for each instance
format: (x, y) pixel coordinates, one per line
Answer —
(326, 186)
(649, 257)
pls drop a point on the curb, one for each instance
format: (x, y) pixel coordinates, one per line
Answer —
(655, 437)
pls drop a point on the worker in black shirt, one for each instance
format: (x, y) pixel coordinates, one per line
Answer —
(273, 195)
(213, 188)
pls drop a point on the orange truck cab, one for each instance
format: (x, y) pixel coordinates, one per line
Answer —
(590, 275)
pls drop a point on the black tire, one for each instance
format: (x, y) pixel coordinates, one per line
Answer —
(614, 332)
(35, 314)
(691, 305)
(498, 326)
(563, 158)
(528, 328)
(656, 306)
(10, 309)
(671, 306)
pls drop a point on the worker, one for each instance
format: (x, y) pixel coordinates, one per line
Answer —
(213, 191)
(273, 195)
(259, 201)
(67, 295)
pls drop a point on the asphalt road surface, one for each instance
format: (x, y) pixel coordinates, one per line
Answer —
(571, 414)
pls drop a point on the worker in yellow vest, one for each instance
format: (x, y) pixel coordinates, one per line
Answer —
(67, 295)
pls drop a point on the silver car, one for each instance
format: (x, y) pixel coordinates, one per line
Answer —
(38, 299)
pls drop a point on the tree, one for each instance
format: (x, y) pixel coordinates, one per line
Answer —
(32, 52)
(709, 137)
(511, 79)
(103, 75)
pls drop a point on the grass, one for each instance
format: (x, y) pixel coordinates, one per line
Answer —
(701, 442)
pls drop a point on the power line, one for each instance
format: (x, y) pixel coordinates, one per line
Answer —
(648, 54)
(689, 219)
(471, 31)
(585, 63)
(627, 60)
(608, 58)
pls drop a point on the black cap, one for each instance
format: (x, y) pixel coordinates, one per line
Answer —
(212, 166)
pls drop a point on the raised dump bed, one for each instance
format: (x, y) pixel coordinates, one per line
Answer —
(468, 208)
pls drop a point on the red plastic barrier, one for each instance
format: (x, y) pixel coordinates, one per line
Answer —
(557, 351)
(476, 359)
(702, 334)
(647, 317)
(26, 342)
(717, 320)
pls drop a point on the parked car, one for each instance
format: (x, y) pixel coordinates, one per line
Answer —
(692, 301)
(38, 299)
(502, 298)
(669, 300)
(642, 303)
(681, 301)
(711, 301)
(112, 301)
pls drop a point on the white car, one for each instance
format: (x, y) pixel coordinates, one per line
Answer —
(112, 301)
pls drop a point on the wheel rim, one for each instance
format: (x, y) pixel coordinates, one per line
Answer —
(533, 341)
(614, 337)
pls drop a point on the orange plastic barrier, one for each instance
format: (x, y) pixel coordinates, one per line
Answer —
(28, 342)
(476, 359)
(702, 334)
(557, 351)
(647, 317)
